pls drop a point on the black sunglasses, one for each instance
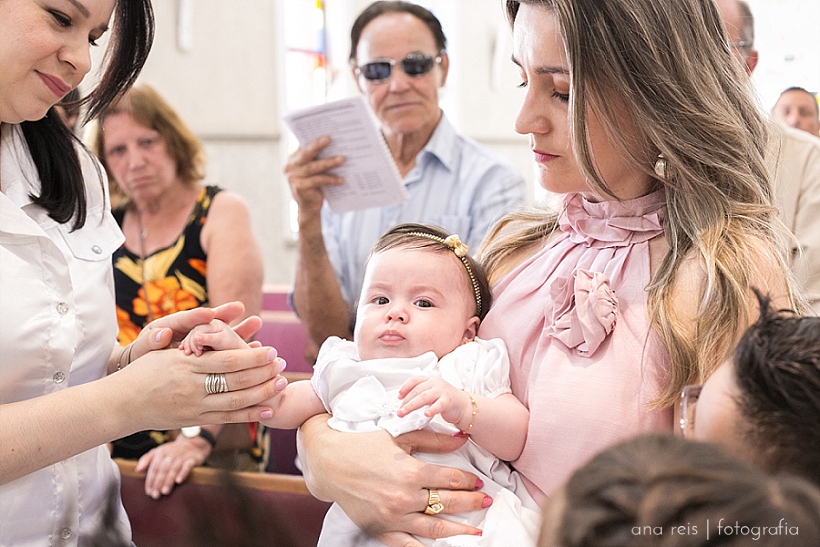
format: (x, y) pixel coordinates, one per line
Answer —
(415, 64)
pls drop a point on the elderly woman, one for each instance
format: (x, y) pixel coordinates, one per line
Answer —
(186, 245)
(639, 115)
(399, 60)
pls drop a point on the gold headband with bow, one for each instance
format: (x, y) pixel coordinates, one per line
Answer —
(460, 249)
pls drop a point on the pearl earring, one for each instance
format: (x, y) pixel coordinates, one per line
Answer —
(660, 167)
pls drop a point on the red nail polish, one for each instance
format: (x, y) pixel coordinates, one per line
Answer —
(479, 533)
(479, 484)
(459, 435)
(486, 502)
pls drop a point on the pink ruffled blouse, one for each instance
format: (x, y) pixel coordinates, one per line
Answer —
(582, 355)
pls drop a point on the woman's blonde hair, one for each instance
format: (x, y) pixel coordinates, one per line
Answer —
(148, 108)
(667, 65)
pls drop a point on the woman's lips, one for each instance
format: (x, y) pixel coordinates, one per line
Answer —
(542, 157)
(56, 85)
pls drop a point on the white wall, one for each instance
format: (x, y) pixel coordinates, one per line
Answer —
(786, 34)
(226, 87)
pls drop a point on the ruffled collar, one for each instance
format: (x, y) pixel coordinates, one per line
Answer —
(585, 309)
(613, 223)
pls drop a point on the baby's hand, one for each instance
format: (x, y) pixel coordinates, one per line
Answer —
(452, 403)
(215, 335)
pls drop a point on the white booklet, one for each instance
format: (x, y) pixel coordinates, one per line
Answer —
(370, 174)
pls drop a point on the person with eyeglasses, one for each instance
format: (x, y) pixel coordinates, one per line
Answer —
(639, 285)
(763, 403)
(793, 158)
(399, 59)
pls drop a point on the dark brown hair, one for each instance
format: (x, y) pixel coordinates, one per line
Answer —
(777, 371)
(53, 147)
(652, 490)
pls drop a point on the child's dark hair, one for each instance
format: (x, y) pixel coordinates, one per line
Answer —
(425, 236)
(52, 145)
(777, 370)
(643, 490)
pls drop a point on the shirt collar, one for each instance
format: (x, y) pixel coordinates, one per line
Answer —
(17, 171)
(443, 144)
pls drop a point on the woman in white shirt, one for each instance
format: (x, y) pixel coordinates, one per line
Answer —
(57, 323)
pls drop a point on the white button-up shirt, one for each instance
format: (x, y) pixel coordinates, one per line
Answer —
(57, 330)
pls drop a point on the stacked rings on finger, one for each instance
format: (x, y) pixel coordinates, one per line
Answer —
(434, 505)
(216, 383)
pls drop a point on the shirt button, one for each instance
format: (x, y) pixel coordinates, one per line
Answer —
(96, 249)
(65, 533)
(58, 378)
(62, 308)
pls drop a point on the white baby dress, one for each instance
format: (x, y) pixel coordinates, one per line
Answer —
(363, 396)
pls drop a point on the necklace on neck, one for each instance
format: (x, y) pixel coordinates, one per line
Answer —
(143, 235)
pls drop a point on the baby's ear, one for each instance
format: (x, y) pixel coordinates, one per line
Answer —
(471, 330)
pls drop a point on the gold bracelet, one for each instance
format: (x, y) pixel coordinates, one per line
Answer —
(126, 351)
(475, 411)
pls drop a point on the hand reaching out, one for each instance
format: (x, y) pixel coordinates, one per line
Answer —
(215, 335)
(454, 404)
(172, 329)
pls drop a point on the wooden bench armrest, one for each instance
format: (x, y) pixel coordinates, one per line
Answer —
(267, 482)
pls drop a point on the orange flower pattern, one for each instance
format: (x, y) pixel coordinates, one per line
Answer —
(164, 297)
(175, 277)
(175, 280)
(198, 265)
(128, 330)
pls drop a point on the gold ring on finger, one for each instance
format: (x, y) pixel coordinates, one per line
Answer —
(434, 505)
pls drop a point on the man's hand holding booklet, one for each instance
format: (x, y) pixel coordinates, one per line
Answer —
(370, 174)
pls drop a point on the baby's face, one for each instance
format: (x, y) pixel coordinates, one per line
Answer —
(414, 301)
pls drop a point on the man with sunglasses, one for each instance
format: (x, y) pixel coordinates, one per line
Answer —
(399, 60)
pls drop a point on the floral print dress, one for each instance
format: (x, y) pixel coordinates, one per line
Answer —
(175, 277)
(175, 280)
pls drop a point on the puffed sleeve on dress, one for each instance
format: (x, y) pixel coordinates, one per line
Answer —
(481, 367)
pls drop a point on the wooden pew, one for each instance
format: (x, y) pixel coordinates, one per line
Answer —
(282, 330)
(216, 508)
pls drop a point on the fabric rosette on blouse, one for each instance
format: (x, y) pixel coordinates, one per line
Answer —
(585, 312)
